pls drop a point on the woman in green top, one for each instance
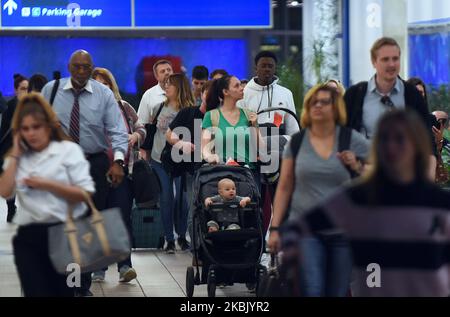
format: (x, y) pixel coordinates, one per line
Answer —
(236, 132)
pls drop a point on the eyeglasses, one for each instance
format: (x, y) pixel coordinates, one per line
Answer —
(386, 100)
(167, 84)
(443, 122)
(321, 102)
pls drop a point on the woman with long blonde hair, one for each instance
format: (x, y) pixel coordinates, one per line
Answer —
(122, 196)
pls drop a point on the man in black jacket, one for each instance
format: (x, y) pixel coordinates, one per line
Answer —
(367, 101)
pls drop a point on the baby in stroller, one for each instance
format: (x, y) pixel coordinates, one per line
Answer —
(227, 194)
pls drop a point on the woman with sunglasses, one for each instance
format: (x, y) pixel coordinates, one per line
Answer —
(179, 96)
(396, 219)
(311, 175)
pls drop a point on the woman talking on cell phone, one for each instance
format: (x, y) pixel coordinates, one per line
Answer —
(47, 173)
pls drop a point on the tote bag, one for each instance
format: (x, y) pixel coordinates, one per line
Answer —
(92, 242)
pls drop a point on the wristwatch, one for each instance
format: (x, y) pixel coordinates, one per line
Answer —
(120, 162)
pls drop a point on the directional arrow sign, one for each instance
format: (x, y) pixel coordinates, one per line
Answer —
(10, 5)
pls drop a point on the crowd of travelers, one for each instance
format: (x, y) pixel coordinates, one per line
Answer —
(361, 174)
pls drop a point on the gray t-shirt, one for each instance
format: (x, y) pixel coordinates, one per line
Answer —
(166, 116)
(317, 178)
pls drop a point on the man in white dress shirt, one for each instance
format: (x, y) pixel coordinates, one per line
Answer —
(154, 96)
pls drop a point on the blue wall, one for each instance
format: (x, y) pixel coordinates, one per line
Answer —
(430, 58)
(29, 55)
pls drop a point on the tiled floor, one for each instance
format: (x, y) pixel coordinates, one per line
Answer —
(159, 274)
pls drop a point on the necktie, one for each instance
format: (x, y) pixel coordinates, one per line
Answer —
(74, 130)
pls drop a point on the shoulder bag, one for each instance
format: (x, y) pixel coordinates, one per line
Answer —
(92, 242)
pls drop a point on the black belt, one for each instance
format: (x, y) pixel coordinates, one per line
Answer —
(94, 155)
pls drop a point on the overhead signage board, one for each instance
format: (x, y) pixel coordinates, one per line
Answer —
(138, 14)
(203, 14)
(63, 14)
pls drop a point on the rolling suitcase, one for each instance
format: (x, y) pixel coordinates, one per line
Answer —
(148, 231)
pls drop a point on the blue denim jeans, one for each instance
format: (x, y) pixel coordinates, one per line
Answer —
(326, 266)
(181, 206)
(168, 203)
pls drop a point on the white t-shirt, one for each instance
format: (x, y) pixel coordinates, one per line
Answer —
(150, 100)
(62, 162)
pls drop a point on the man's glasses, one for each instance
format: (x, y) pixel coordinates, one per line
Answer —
(443, 122)
(386, 100)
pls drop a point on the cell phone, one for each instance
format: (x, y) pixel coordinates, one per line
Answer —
(436, 123)
(24, 146)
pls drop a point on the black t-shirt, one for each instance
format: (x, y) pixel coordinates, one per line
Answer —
(190, 118)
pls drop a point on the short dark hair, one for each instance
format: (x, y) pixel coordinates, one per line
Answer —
(18, 78)
(200, 72)
(263, 54)
(416, 81)
(222, 72)
(37, 82)
(160, 62)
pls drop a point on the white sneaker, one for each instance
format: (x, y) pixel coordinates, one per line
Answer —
(127, 274)
(98, 276)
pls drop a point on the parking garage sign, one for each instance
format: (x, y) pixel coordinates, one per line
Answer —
(139, 14)
(65, 14)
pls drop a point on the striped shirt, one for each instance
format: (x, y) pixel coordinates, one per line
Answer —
(406, 232)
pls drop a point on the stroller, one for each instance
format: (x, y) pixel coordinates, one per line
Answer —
(228, 256)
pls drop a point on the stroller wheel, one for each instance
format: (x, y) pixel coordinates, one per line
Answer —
(211, 284)
(190, 282)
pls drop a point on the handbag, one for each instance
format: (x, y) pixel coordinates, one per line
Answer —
(93, 242)
(170, 166)
(281, 280)
(145, 184)
(151, 131)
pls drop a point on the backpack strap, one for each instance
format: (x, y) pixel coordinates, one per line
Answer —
(157, 113)
(344, 142)
(296, 142)
(345, 138)
(247, 113)
(215, 117)
(54, 91)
